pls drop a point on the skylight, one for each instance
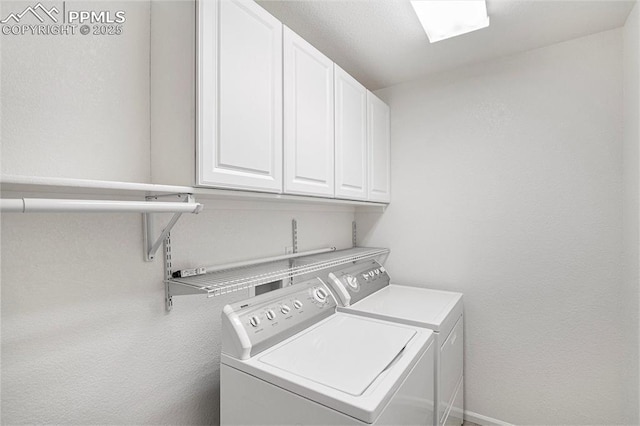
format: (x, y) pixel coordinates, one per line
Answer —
(444, 19)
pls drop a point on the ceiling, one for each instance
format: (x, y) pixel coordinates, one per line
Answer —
(381, 42)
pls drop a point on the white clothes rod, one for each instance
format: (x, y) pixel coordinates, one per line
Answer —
(247, 263)
(44, 205)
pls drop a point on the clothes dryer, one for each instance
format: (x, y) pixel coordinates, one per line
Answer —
(364, 288)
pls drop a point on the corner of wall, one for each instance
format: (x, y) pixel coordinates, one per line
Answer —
(172, 92)
(631, 202)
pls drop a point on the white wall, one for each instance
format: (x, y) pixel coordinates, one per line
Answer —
(507, 187)
(77, 106)
(631, 213)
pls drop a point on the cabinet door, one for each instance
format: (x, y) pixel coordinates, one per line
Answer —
(351, 137)
(379, 145)
(308, 118)
(239, 96)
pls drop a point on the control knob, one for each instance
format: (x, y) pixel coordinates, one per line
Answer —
(320, 295)
(352, 282)
(270, 315)
(297, 304)
(285, 309)
(255, 321)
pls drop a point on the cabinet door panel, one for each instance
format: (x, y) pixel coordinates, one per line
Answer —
(351, 137)
(240, 96)
(308, 118)
(378, 134)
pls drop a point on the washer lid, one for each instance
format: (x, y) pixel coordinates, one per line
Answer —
(346, 353)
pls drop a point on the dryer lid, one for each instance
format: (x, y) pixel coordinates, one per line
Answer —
(346, 353)
(413, 305)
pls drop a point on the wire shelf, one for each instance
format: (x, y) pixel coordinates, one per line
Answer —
(231, 280)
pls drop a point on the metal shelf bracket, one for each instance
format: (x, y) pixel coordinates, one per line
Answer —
(166, 249)
(354, 234)
(294, 235)
(152, 244)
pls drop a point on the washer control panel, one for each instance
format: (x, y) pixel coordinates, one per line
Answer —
(355, 282)
(255, 324)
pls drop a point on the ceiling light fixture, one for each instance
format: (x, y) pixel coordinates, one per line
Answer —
(443, 19)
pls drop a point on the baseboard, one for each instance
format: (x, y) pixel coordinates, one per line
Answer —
(483, 420)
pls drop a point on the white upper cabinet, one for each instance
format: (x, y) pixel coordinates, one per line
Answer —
(308, 118)
(239, 96)
(350, 137)
(379, 145)
(276, 115)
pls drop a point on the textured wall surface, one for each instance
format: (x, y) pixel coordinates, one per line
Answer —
(507, 187)
(631, 213)
(77, 106)
(85, 337)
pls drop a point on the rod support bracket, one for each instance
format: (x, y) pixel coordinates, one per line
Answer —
(152, 243)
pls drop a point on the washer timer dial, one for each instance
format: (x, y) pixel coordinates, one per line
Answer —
(320, 294)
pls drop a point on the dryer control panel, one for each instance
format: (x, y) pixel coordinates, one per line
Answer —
(253, 325)
(355, 282)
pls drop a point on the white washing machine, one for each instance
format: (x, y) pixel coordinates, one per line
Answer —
(289, 358)
(363, 288)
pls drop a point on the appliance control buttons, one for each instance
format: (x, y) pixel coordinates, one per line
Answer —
(285, 309)
(371, 274)
(297, 304)
(270, 315)
(255, 321)
(377, 271)
(320, 295)
(382, 269)
(365, 276)
(352, 282)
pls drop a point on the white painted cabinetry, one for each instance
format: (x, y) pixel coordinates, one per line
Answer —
(239, 96)
(308, 118)
(276, 115)
(350, 137)
(379, 147)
